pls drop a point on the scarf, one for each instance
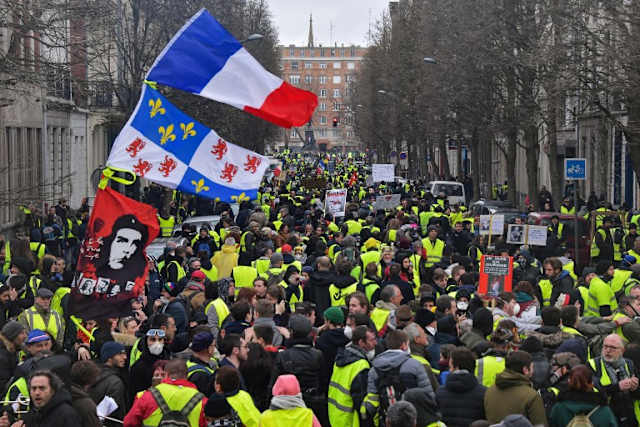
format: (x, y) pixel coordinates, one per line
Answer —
(287, 402)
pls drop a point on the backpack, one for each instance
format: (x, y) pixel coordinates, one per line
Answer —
(171, 418)
(273, 278)
(203, 247)
(582, 420)
(390, 388)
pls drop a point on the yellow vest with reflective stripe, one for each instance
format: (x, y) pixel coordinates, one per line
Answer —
(338, 295)
(16, 389)
(569, 267)
(379, 317)
(35, 320)
(619, 277)
(166, 225)
(177, 398)
(341, 410)
(600, 294)
(296, 417)
(434, 251)
(212, 273)
(221, 309)
(546, 288)
(242, 403)
(261, 265)
(424, 362)
(370, 287)
(56, 301)
(243, 276)
(370, 257)
(487, 368)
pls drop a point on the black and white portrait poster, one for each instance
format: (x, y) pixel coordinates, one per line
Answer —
(112, 267)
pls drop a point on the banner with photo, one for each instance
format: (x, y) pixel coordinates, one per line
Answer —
(335, 202)
(521, 234)
(112, 266)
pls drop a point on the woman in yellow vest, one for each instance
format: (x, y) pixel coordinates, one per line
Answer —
(287, 408)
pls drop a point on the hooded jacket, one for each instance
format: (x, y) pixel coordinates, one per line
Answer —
(109, 383)
(572, 403)
(142, 370)
(225, 260)
(58, 412)
(8, 361)
(84, 407)
(513, 394)
(347, 356)
(411, 371)
(303, 361)
(461, 400)
(317, 290)
(562, 284)
(329, 343)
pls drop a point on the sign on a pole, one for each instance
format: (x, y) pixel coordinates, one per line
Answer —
(491, 224)
(382, 172)
(575, 169)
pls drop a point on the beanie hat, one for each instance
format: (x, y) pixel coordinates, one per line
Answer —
(110, 349)
(602, 267)
(24, 264)
(36, 336)
(371, 243)
(172, 288)
(532, 345)
(12, 329)
(574, 346)
(286, 248)
(217, 406)
(334, 315)
(201, 341)
(286, 385)
(300, 326)
(424, 317)
(198, 276)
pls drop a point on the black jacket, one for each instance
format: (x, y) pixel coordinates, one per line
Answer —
(329, 343)
(85, 407)
(142, 370)
(317, 290)
(405, 288)
(8, 361)
(58, 412)
(110, 383)
(562, 283)
(461, 400)
(303, 361)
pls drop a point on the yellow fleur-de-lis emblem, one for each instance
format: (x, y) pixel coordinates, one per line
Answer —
(240, 197)
(187, 130)
(156, 107)
(200, 185)
(167, 134)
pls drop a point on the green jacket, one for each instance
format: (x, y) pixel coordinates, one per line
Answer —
(513, 394)
(572, 403)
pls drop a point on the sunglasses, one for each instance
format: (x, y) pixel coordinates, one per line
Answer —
(156, 333)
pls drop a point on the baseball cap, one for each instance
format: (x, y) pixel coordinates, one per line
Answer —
(36, 336)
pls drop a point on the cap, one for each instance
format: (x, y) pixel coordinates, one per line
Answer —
(110, 349)
(45, 293)
(286, 248)
(334, 315)
(198, 276)
(629, 259)
(201, 341)
(12, 329)
(37, 335)
(172, 288)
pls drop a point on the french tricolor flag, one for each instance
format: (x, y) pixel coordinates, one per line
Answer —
(205, 59)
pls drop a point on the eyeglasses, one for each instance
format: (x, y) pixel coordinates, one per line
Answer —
(156, 333)
(611, 347)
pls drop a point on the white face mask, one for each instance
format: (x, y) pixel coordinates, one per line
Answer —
(371, 354)
(156, 348)
(462, 305)
(348, 332)
(516, 309)
(431, 330)
(164, 300)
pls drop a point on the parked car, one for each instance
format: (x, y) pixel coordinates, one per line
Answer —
(156, 248)
(453, 190)
(198, 221)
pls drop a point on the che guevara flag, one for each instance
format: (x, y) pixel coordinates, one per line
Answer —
(112, 266)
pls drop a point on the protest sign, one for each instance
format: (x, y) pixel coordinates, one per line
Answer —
(491, 224)
(389, 201)
(335, 201)
(496, 275)
(383, 172)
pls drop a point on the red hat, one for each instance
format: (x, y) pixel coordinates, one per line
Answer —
(286, 248)
(198, 276)
(286, 385)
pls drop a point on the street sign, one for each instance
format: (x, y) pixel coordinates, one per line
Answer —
(575, 169)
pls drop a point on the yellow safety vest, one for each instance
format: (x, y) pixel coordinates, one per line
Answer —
(370, 287)
(242, 403)
(243, 276)
(56, 301)
(379, 317)
(565, 211)
(221, 309)
(338, 295)
(261, 265)
(353, 227)
(296, 417)
(181, 272)
(434, 251)
(600, 294)
(341, 410)
(16, 389)
(176, 398)
(424, 362)
(619, 277)
(369, 257)
(568, 267)
(488, 368)
(35, 320)
(546, 288)
(212, 273)
(166, 225)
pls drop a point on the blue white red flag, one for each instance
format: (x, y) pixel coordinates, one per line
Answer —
(205, 59)
(164, 145)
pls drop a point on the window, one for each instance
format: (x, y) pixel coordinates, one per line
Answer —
(321, 51)
(349, 134)
(336, 106)
(336, 93)
(323, 106)
(322, 132)
(336, 65)
(353, 51)
(323, 66)
(336, 80)
(323, 80)
(294, 79)
(307, 65)
(342, 52)
(308, 79)
(292, 51)
(323, 93)
(301, 52)
(293, 133)
(351, 66)
(336, 133)
(333, 52)
(323, 120)
(294, 65)
(348, 78)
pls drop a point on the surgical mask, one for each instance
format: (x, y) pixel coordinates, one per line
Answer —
(462, 305)
(164, 300)
(516, 309)
(156, 348)
(371, 354)
(431, 330)
(348, 332)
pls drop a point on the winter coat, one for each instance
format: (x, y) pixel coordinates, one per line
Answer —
(85, 408)
(405, 288)
(572, 403)
(142, 370)
(461, 400)
(475, 341)
(58, 412)
(329, 342)
(8, 361)
(411, 371)
(303, 361)
(109, 383)
(317, 290)
(225, 260)
(541, 370)
(513, 394)
(562, 284)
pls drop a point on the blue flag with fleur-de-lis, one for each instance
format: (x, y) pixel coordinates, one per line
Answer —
(164, 145)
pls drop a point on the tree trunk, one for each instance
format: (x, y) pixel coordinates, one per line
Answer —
(554, 170)
(444, 159)
(532, 155)
(474, 145)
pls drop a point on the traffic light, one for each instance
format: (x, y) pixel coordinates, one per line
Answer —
(335, 122)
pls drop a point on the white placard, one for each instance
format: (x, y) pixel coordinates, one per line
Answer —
(389, 201)
(493, 222)
(383, 172)
(335, 202)
(516, 234)
(537, 235)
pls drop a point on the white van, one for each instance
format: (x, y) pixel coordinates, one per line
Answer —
(452, 189)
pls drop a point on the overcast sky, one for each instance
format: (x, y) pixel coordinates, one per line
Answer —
(350, 20)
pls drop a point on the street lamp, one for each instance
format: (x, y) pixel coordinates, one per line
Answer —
(252, 38)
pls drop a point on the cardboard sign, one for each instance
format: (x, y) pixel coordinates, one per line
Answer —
(335, 202)
(383, 172)
(390, 201)
(537, 235)
(496, 275)
(516, 234)
(318, 183)
(520, 234)
(491, 224)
